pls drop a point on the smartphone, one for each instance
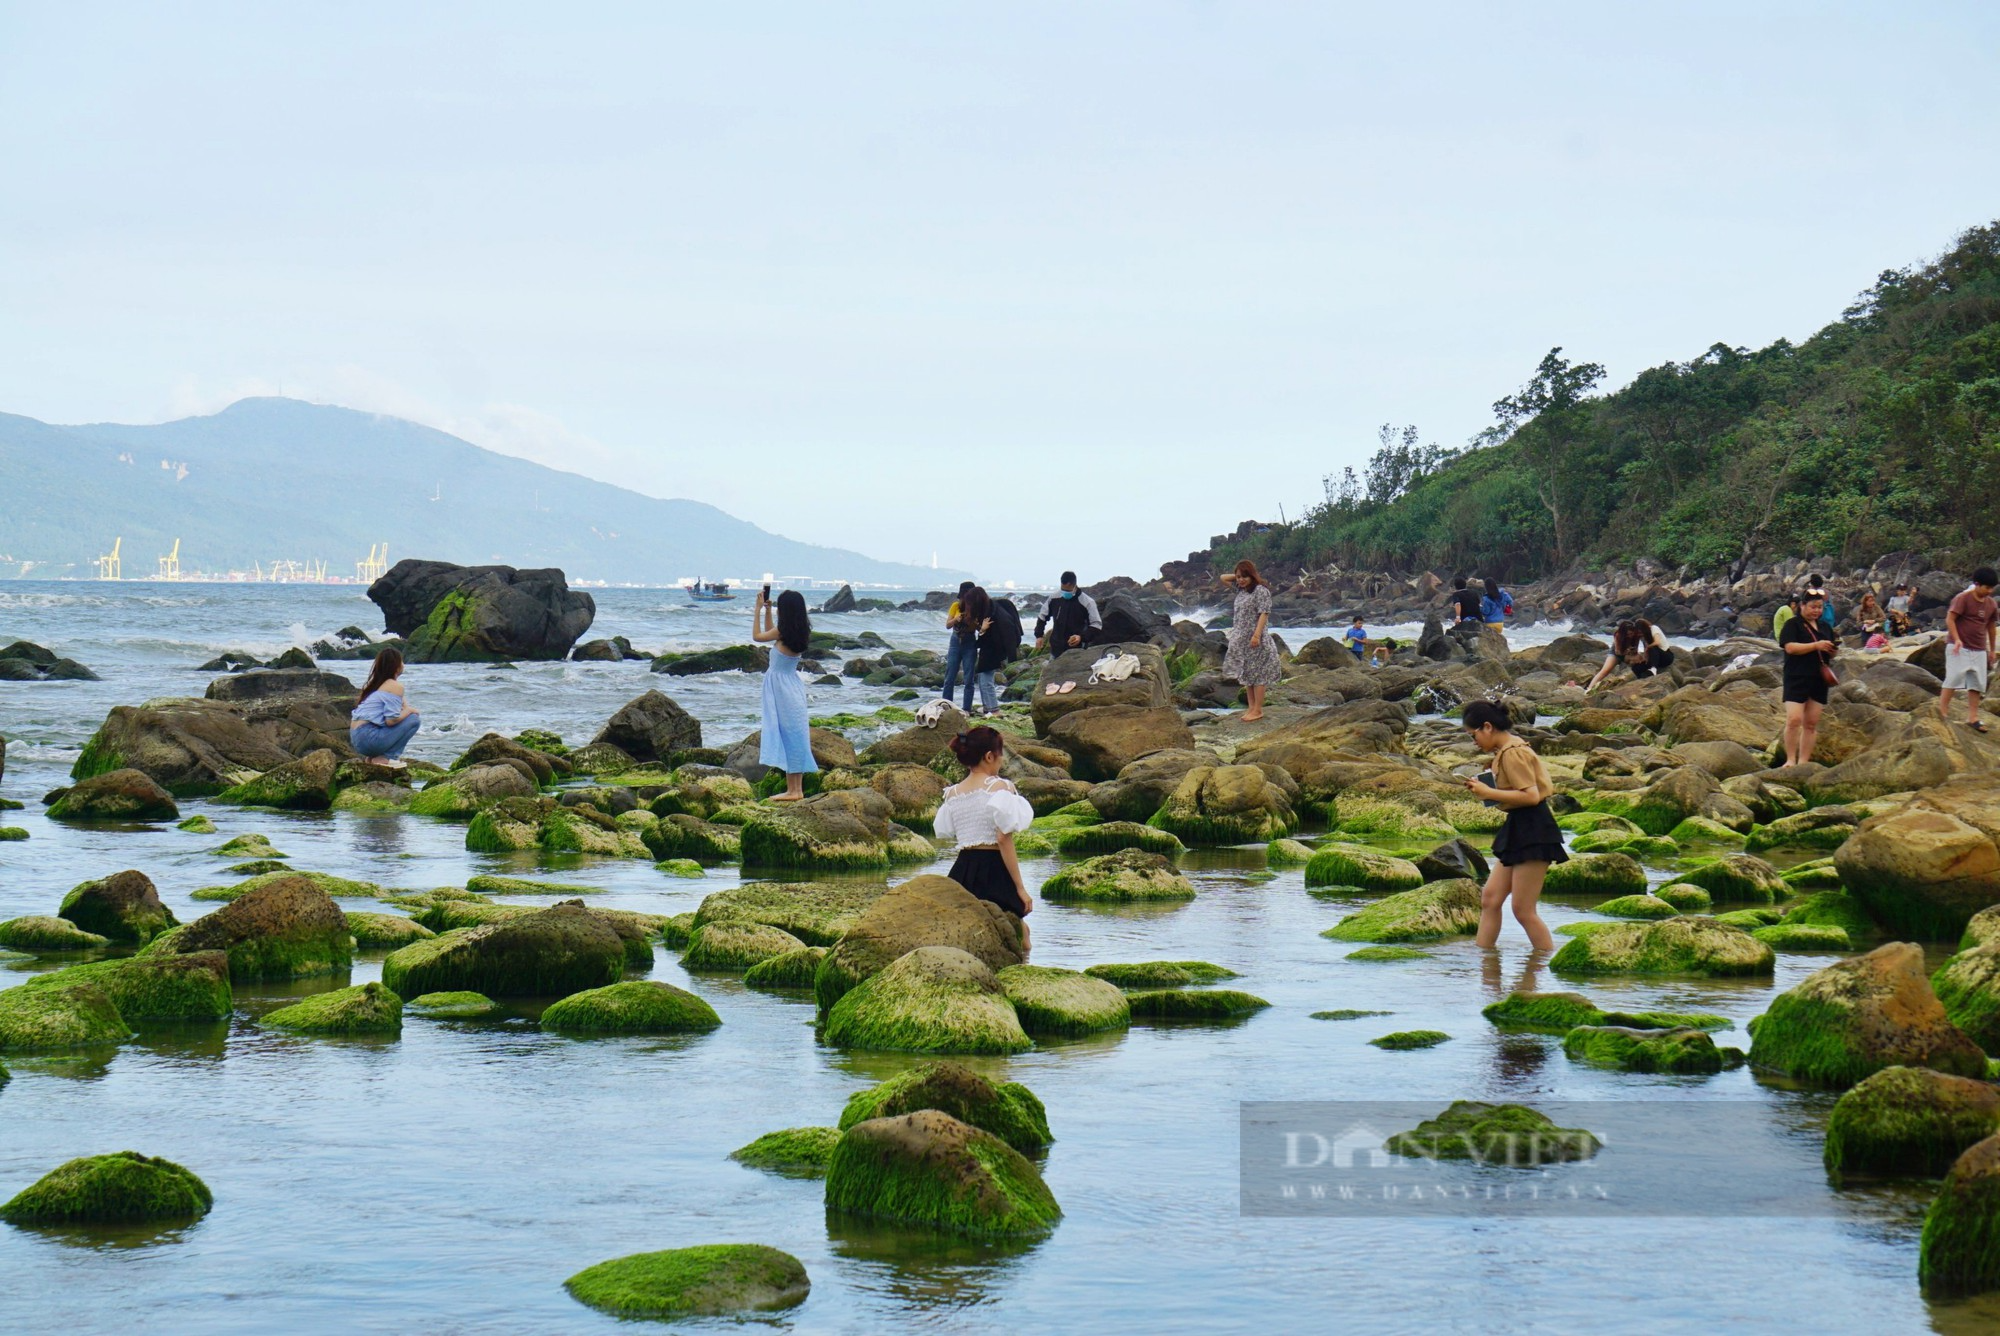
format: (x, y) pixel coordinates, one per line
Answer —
(767, 593)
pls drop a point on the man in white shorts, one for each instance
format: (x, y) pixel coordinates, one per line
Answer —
(1969, 645)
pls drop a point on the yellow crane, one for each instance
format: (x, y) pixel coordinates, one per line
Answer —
(371, 570)
(170, 565)
(108, 565)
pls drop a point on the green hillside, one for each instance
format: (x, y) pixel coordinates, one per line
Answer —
(276, 479)
(1880, 433)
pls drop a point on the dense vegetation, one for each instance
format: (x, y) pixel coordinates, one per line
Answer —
(1880, 433)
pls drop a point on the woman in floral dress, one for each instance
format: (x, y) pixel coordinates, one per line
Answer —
(1252, 659)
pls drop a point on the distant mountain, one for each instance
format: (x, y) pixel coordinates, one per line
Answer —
(276, 479)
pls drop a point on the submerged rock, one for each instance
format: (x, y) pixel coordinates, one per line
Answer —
(1127, 876)
(121, 1188)
(368, 1008)
(1682, 945)
(1411, 1039)
(1359, 866)
(635, 1007)
(1856, 1017)
(155, 988)
(927, 1168)
(1680, 1052)
(800, 1151)
(1908, 1122)
(1206, 1004)
(115, 795)
(71, 1015)
(124, 907)
(285, 929)
(1007, 1109)
(1436, 910)
(1494, 1134)
(923, 911)
(1052, 1001)
(731, 946)
(544, 953)
(1150, 974)
(714, 1280)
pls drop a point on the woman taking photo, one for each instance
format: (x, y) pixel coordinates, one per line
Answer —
(982, 814)
(1252, 660)
(786, 743)
(1640, 646)
(1809, 649)
(1529, 840)
(382, 722)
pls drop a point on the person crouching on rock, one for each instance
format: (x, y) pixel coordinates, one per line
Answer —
(1529, 840)
(382, 722)
(982, 813)
(786, 741)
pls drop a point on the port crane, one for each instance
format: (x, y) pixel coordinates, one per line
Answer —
(108, 566)
(170, 565)
(371, 570)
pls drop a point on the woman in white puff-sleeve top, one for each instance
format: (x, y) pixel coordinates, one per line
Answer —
(981, 815)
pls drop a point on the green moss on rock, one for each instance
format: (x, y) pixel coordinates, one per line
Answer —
(799, 1151)
(456, 1006)
(384, 931)
(1052, 1001)
(1381, 819)
(366, 1009)
(1006, 1109)
(1738, 879)
(929, 1169)
(1960, 1249)
(197, 825)
(73, 1015)
(287, 928)
(1702, 830)
(1680, 1052)
(1404, 1039)
(1346, 1014)
(1512, 1135)
(1859, 1015)
(1681, 945)
(1685, 897)
(544, 953)
(935, 999)
(680, 836)
(41, 934)
(1361, 867)
(1202, 1004)
(635, 1007)
(1549, 1013)
(681, 867)
(793, 970)
(1804, 937)
(340, 888)
(121, 1188)
(155, 988)
(816, 913)
(488, 884)
(715, 1280)
(1596, 874)
(1107, 837)
(731, 947)
(1148, 974)
(1126, 877)
(1287, 853)
(1969, 987)
(1436, 910)
(1388, 953)
(1908, 1122)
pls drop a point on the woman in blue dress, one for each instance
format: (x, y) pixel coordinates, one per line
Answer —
(787, 738)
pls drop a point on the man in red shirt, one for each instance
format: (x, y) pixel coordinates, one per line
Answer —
(1969, 645)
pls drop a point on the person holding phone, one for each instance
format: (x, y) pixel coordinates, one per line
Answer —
(1809, 649)
(786, 741)
(1529, 840)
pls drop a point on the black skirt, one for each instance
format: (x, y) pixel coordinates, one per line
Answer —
(1530, 835)
(984, 873)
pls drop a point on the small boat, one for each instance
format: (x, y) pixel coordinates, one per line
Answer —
(709, 593)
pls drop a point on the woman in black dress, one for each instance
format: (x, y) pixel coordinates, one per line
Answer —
(1809, 648)
(982, 814)
(1530, 840)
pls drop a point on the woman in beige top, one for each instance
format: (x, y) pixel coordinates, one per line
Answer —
(1529, 840)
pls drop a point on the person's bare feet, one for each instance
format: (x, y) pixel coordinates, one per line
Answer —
(1252, 718)
(786, 798)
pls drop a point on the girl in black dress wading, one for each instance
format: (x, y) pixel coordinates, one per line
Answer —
(1530, 840)
(982, 814)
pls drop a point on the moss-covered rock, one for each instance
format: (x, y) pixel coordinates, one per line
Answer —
(1381, 819)
(935, 999)
(1908, 1122)
(681, 867)
(1287, 853)
(634, 1007)
(1835, 909)
(1816, 828)
(1584, 822)
(1815, 874)
(1435, 910)
(1108, 837)
(489, 884)
(702, 794)
(1150, 974)
(816, 913)
(681, 836)
(1363, 868)
(731, 947)
(366, 1009)
(1548, 1013)
(116, 795)
(1596, 874)
(284, 929)
(714, 1280)
(1750, 919)
(1006, 1109)
(1803, 937)
(1406, 1039)
(1960, 1249)
(74, 1015)
(676, 930)
(124, 1188)
(927, 1168)
(1738, 879)
(1703, 830)
(1637, 907)
(247, 846)
(197, 825)
(1201, 1004)
(1681, 945)
(1858, 1016)
(256, 867)
(551, 952)
(384, 932)
(1683, 896)
(1513, 1135)
(1680, 1052)
(340, 888)
(923, 911)
(1346, 1014)
(798, 1151)
(1227, 804)
(1969, 987)
(124, 907)
(1387, 953)
(845, 830)
(793, 970)
(305, 785)
(458, 1006)
(40, 934)
(155, 988)
(1052, 1001)
(451, 915)
(1128, 876)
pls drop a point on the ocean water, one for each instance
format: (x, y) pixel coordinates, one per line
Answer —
(449, 1181)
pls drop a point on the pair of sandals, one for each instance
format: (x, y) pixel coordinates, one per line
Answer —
(1059, 688)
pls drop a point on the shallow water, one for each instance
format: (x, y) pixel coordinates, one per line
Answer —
(450, 1180)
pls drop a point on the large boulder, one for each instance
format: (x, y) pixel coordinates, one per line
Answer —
(1908, 1122)
(481, 614)
(1102, 741)
(935, 999)
(1150, 687)
(1229, 804)
(198, 747)
(1343, 732)
(547, 953)
(117, 795)
(1127, 621)
(124, 907)
(25, 661)
(924, 911)
(124, 1188)
(916, 745)
(930, 1170)
(1858, 1016)
(1911, 752)
(1145, 784)
(263, 684)
(305, 785)
(1743, 712)
(1926, 868)
(285, 929)
(651, 727)
(1056, 1002)
(727, 659)
(830, 751)
(491, 747)
(1681, 945)
(462, 793)
(846, 829)
(1968, 985)
(1957, 1255)
(636, 1006)
(1008, 1109)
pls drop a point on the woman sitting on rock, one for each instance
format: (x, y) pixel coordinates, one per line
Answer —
(1530, 840)
(786, 741)
(1252, 659)
(982, 813)
(383, 723)
(1869, 614)
(1640, 646)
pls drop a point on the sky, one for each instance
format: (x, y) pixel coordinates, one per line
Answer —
(1026, 286)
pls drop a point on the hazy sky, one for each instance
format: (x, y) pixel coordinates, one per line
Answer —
(1029, 285)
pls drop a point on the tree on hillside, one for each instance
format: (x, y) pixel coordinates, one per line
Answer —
(1550, 431)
